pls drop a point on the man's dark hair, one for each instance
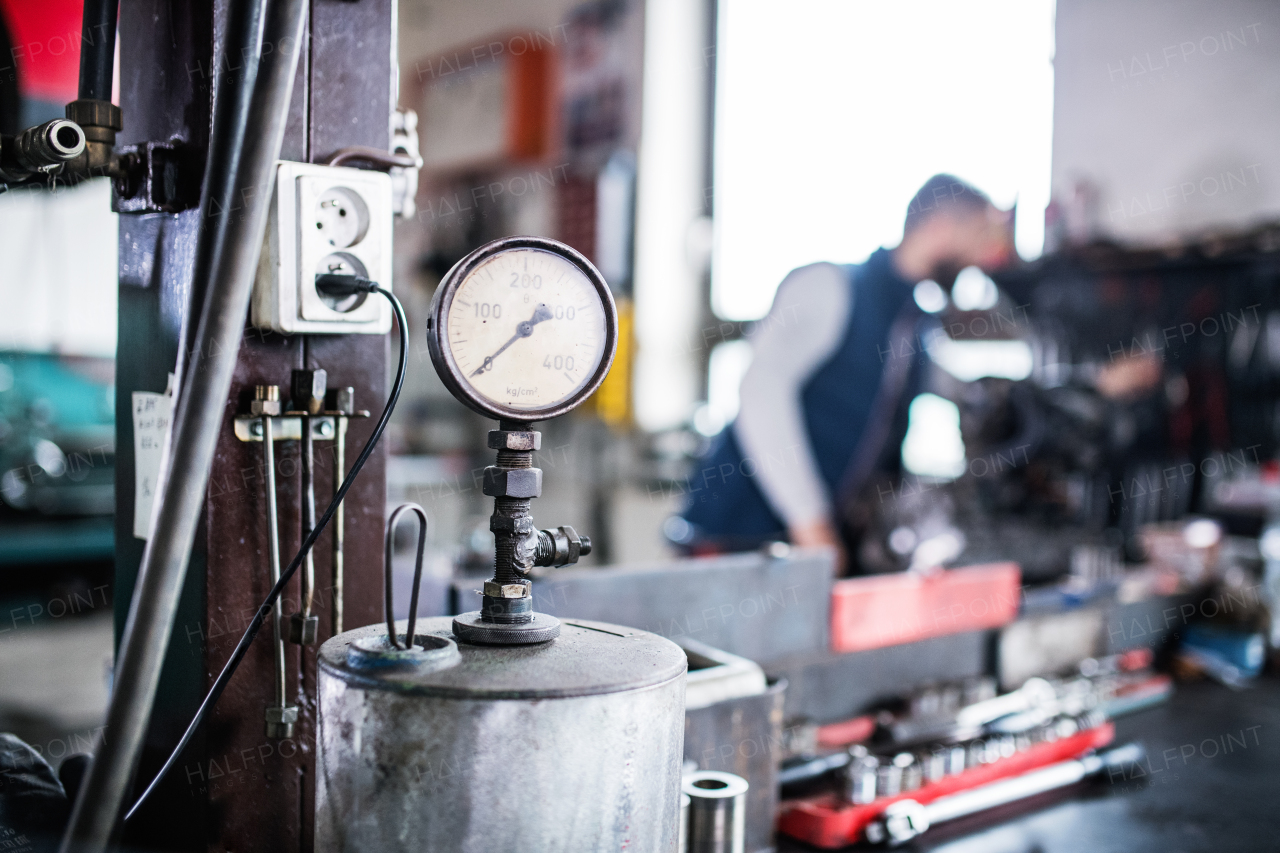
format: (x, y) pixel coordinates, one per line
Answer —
(943, 193)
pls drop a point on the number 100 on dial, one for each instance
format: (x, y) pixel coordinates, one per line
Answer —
(523, 328)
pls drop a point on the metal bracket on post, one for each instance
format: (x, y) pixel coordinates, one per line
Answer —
(326, 417)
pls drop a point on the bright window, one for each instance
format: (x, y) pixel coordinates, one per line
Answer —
(830, 114)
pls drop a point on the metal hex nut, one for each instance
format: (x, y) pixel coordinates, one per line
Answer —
(501, 439)
(95, 113)
(266, 400)
(512, 482)
(521, 526)
(506, 590)
(287, 714)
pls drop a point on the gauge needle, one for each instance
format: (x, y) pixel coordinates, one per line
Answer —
(523, 330)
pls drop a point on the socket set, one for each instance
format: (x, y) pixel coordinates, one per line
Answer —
(872, 780)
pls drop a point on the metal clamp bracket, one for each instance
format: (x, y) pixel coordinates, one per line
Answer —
(288, 425)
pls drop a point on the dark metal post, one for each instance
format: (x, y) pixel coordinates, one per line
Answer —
(172, 56)
(248, 127)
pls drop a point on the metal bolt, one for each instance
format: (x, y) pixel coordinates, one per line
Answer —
(266, 400)
(325, 429)
(255, 428)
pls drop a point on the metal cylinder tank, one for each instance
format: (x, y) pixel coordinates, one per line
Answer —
(571, 745)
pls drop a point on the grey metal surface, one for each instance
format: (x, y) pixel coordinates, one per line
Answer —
(715, 676)
(683, 843)
(574, 745)
(1152, 621)
(762, 608)
(247, 131)
(588, 658)
(827, 687)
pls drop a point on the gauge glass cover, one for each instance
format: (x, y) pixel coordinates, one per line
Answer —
(527, 329)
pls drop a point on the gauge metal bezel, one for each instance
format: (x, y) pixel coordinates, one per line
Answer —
(442, 356)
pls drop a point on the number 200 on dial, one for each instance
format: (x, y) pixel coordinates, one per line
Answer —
(523, 328)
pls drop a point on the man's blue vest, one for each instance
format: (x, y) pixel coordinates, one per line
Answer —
(725, 506)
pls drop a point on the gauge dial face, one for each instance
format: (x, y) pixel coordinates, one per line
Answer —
(527, 330)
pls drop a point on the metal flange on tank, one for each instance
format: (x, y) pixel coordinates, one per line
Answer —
(505, 729)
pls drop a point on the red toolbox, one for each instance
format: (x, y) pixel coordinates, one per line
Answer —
(888, 610)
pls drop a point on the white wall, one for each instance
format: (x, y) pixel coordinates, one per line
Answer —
(1167, 116)
(830, 115)
(58, 275)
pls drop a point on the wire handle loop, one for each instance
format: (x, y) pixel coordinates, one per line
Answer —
(389, 610)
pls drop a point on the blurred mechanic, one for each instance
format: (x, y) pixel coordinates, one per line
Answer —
(822, 399)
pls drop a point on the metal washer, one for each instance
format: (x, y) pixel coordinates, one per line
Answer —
(470, 628)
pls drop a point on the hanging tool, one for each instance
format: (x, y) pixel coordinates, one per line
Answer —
(280, 716)
(344, 406)
(308, 389)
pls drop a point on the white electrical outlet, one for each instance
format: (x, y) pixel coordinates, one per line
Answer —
(324, 219)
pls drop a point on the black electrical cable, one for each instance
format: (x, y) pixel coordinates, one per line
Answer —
(264, 611)
(98, 48)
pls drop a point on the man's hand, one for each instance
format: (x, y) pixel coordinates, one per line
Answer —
(819, 534)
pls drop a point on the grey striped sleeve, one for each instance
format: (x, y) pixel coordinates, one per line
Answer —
(801, 331)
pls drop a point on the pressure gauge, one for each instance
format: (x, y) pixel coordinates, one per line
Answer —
(522, 328)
